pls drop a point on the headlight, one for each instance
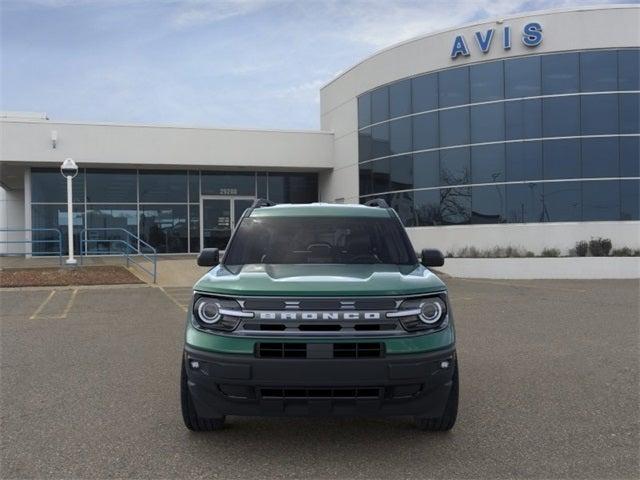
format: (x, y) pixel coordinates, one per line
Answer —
(208, 310)
(422, 313)
(217, 313)
(432, 310)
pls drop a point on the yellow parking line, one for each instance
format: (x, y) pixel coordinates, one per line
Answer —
(46, 300)
(183, 307)
(69, 304)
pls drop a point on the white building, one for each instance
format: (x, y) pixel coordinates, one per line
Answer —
(521, 131)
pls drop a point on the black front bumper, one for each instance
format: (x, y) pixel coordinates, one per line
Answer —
(225, 384)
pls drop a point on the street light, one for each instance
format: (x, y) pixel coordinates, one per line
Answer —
(69, 169)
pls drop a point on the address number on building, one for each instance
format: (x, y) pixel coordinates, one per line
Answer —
(228, 191)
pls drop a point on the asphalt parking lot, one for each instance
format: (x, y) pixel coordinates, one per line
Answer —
(549, 389)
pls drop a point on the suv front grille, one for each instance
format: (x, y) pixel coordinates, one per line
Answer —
(319, 351)
(328, 393)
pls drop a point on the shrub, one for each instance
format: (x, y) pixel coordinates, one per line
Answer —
(550, 252)
(600, 247)
(582, 248)
(625, 252)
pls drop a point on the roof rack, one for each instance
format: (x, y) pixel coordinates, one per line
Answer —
(262, 202)
(377, 202)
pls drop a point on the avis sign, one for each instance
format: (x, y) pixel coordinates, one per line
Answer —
(531, 37)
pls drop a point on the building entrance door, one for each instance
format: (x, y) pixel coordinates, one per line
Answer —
(218, 217)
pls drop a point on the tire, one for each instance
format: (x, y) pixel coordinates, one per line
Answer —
(448, 418)
(191, 418)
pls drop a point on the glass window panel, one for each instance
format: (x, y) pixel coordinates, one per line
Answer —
(402, 203)
(425, 131)
(400, 135)
(427, 207)
(561, 159)
(112, 186)
(49, 186)
(523, 161)
(365, 144)
(522, 77)
(381, 170)
(561, 116)
(380, 141)
(400, 98)
(453, 87)
(426, 169)
(560, 73)
(487, 164)
(630, 199)
(599, 114)
(488, 204)
(455, 166)
(402, 172)
(562, 202)
(194, 186)
(364, 110)
(115, 218)
(380, 105)
(424, 92)
(293, 187)
(629, 70)
(228, 183)
(366, 185)
(487, 123)
(599, 71)
(165, 227)
(523, 119)
(487, 81)
(454, 127)
(455, 205)
(261, 185)
(630, 156)
(524, 203)
(600, 157)
(629, 113)
(53, 216)
(194, 227)
(163, 186)
(601, 200)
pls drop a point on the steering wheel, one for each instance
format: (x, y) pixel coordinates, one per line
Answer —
(365, 256)
(320, 244)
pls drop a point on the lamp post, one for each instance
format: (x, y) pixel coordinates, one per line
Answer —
(69, 169)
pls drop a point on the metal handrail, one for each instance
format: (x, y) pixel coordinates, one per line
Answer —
(127, 247)
(32, 241)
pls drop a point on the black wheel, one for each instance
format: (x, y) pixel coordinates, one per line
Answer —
(191, 419)
(448, 418)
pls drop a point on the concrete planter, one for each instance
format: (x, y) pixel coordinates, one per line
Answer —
(538, 268)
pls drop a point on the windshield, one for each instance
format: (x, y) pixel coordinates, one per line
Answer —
(317, 240)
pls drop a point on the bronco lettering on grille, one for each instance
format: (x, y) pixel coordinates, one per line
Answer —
(318, 315)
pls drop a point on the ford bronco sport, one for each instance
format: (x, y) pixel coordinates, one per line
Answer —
(319, 309)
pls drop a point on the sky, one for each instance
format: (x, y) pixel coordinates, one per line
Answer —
(219, 63)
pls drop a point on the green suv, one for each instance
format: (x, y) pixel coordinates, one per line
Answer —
(319, 309)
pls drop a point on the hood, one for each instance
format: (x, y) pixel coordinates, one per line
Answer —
(320, 280)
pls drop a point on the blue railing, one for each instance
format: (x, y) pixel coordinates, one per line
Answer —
(130, 248)
(33, 241)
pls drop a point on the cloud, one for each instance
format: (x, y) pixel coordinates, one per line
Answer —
(191, 13)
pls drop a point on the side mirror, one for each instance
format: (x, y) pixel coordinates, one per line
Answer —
(432, 258)
(209, 257)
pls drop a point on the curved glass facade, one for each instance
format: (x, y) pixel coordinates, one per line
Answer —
(541, 138)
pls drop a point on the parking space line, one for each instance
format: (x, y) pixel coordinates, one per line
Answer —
(170, 297)
(62, 315)
(42, 305)
(69, 304)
